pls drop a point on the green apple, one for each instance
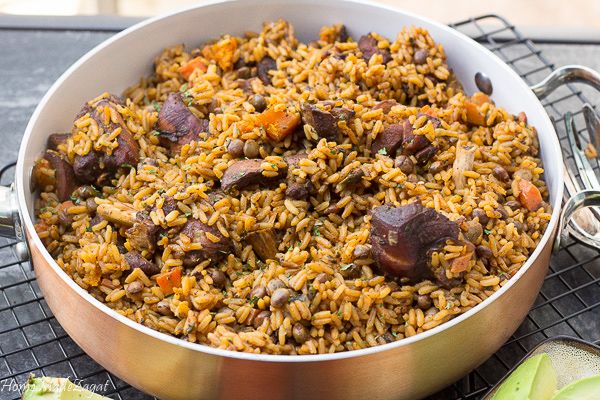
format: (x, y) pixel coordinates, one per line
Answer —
(534, 379)
(583, 389)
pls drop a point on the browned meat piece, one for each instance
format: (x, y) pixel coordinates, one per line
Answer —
(64, 218)
(412, 143)
(325, 123)
(215, 251)
(368, 46)
(425, 155)
(386, 105)
(169, 204)
(244, 173)
(391, 138)
(402, 238)
(127, 153)
(88, 168)
(57, 139)
(92, 166)
(64, 178)
(298, 191)
(263, 243)
(353, 178)
(263, 67)
(342, 35)
(135, 260)
(434, 120)
(294, 160)
(177, 124)
(215, 196)
(142, 235)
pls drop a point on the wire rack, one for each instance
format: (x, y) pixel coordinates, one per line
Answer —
(32, 341)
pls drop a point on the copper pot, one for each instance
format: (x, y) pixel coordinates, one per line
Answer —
(171, 368)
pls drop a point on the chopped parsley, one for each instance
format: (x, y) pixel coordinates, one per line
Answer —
(487, 231)
(156, 105)
(75, 199)
(188, 99)
(183, 87)
(161, 191)
(253, 300)
(394, 334)
(382, 151)
(449, 305)
(153, 171)
(347, 266)
(339, 313)
(317, 231)
(155, 133)
(126, 165)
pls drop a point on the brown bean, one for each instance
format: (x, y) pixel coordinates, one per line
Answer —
(322, 277)
(424, 302)
(361, 251)
(280, 297)
(261, 318)
(483, 218)
(251, 149)
(235, 148)
(483, 252)
(243, 73)
(474, 231)
(258, 292)
(501, 174)
(300, 333)
(258, 102)
(388, 337)
(502, 212)
(420, 56)
(163, 307)
(134, 287)
(91, 205)
(513, 205)
(218, 277)
(437, 166)
(404, 163)
(524, 174)
(273, 285)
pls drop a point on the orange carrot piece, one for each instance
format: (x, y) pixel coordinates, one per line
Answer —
(474, 116)
(186, 69)
(480, 98)
(529, 195)
(278, 124)
(169, 280)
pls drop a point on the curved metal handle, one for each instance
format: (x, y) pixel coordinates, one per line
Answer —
(582, 199)
(10, 221)
(564, 75)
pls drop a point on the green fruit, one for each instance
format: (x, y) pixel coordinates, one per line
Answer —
(46, 388)
(535, 379)
(583, 389)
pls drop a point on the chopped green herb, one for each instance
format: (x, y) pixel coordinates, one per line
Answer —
(394, 334)
(183, 87)
(188, 214)
(88, 229)
(487, 231)
(153, 171)
(156, 106)
(213, 313)
(162, 235)
(347, 266)
(126, 165)
(316, 231)
(75, 199)
(161, 191)
(383, 152)
(274, 166)
(333, 151)
(155, 133)
(291, 248)
(339, 313)
(449, 305)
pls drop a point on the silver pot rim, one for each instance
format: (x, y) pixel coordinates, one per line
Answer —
(20, 174)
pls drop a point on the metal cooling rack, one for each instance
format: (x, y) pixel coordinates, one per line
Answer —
(32, 341)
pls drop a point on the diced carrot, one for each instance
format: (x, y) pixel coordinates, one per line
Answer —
(169, 280)
(223, 52)
(474, 116)
(186, 69)
(279, 124)
(461, 263)
(245, 126)
(480, 98)
(529, 195)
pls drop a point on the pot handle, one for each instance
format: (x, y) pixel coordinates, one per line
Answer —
(564, 75)
(581, 200)
(10, 221)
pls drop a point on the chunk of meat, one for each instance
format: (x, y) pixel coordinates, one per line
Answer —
(402, 237)
(57, 139)
(297, 190)
(64, 177)
(214, 244)
(263, 67)
(435, 121)
(135, 260)
(325, 123)
(353, 178)
(177, 124)
(293, 161)
(142, 235)
(391, 138)
(386, 105)
(89, 167)
(263, 243)
(367, 44)
(423, 156)
(244, 173)
(279, 124)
